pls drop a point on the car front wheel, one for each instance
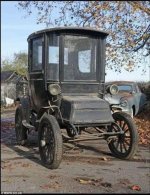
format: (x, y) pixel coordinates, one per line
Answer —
(125, 144)
(50, 142)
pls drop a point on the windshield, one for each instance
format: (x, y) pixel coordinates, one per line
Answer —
(126, 88)
(79, 58)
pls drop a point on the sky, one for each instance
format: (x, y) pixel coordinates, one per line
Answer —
(15, 29)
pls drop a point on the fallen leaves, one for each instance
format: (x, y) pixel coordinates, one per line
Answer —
(124, 181)
(46, 186)
(50, 185)
(8, 167)
(107, 185)
(7, 181)
(82, 181)
(52, 176)
(95, 182)
(26, 165)
(17, 163)
(136, 187)
(99, 182)
(142, 122)
(104, 158)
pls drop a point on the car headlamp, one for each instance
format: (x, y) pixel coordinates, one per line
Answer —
(54, 89)
(113, 89)
(124, 103)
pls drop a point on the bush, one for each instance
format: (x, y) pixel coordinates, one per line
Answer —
(145, 88)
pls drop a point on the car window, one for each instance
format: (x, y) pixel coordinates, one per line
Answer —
(53, 57)
(80, 58)
(125, 88)
(37, 54)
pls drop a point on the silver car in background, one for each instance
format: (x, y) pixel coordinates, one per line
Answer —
(129, 98)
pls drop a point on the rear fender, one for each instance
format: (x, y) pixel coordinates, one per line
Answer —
(25, 103)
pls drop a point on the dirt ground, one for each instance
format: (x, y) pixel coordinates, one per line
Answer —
(86, 167)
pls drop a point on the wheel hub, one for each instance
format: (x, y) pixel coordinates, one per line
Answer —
(121, 137)
(42, 143)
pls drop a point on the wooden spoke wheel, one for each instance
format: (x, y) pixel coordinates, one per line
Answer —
(124, 145)
(50, 142)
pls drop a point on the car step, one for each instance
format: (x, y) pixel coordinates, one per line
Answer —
(27, 125)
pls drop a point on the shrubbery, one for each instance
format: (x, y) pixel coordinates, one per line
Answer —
(145, 87)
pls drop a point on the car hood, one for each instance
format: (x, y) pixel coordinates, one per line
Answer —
(115, 99)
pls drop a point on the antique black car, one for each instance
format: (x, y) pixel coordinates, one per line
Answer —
(66, 93)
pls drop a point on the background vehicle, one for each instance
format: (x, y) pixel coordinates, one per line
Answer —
(129, 99)
(66, 92)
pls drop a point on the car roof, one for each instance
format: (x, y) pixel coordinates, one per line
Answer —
(83, 30)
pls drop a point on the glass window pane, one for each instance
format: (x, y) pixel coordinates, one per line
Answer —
(53, 55)
(37, 54)
(79, 58)
(84, 60)
(53, 58)
(66, 56)
(125, 87)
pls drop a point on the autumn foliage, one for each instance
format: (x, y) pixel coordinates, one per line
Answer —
(127, 23)
(142, 121)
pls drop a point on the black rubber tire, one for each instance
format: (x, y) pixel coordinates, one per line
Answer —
(21, 131)
(53, 142)
(128, 141)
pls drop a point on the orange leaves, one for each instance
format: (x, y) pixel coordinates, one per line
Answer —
(83, 181)
(136, 187)
(143, 124)
(26, 165)
(95, 182)
(104, 158)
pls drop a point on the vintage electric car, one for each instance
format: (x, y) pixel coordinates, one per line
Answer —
(66, 88)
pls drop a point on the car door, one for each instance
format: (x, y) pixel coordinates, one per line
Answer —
(36, 73)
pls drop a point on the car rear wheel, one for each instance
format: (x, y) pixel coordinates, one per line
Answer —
(124, 145)
(21, 131)
(50, 142)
